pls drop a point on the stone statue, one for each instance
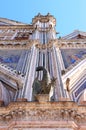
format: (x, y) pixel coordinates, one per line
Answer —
(45, 86)
(68, 84)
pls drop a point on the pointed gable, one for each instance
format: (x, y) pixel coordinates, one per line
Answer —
(76, 35)
(4, 21)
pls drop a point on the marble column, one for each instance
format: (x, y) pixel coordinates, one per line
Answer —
(30, 75)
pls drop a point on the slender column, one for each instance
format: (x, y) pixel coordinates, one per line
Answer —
(36, 34)
(50, 63)
(40, 64)
(57, 74)
(60, 59)
(26, 92)
(54, 70)
(31, 74)
(37, 62)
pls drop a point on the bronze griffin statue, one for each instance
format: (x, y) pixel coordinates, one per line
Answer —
(45, 86)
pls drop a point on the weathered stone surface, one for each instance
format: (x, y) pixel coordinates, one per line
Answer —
(42, 97)
(43, 129)
(42, 114)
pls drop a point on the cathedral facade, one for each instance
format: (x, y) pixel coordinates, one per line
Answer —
(23, 49)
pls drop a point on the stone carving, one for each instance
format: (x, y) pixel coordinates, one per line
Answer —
(44, 115)
(67, 84)
(45, 86)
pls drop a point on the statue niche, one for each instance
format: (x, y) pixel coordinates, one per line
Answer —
(45, 86)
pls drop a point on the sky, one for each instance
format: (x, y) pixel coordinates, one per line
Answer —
(70, 14)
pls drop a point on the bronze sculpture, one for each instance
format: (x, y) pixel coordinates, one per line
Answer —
(45, 86)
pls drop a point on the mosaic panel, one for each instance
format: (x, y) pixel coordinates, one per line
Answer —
(70, 56)
(10, 57)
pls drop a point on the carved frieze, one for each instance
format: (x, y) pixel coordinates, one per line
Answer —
(39, 113)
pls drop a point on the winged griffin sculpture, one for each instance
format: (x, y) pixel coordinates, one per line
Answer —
(45, 86)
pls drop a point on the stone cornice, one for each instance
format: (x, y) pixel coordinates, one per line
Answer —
(28, 26)
(25, 44)
(47, 29)
(43, 111)
(71, 40)
(18, 44)
(44, 125)
(47, 45)
(78, 43)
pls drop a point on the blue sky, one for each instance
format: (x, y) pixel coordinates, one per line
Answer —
(70, 14)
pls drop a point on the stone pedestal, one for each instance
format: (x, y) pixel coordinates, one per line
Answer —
(42, 97)
(64, 99)
(21, 100)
